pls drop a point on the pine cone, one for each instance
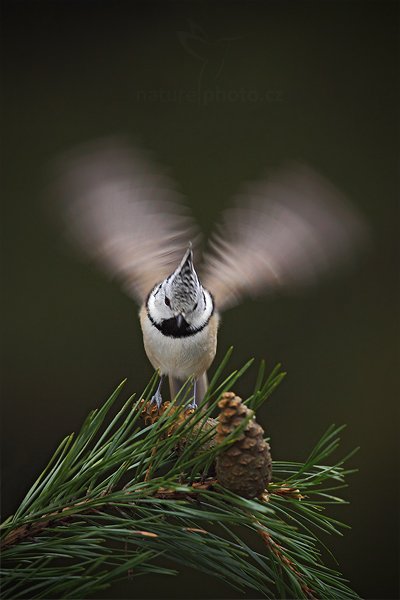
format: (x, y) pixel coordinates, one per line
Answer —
(245, 467)
(150, 414)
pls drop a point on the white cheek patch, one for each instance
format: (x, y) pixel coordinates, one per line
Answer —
(157, 308)
(203, 312)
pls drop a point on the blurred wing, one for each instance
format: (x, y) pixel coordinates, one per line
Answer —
(122, 213)
(281, 233)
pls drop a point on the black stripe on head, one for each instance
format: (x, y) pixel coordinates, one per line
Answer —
(204, 300)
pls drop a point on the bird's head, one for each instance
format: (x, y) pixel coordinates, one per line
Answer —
(180, 303)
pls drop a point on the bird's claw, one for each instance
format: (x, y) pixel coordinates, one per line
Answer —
(157, 399)
(192, 405)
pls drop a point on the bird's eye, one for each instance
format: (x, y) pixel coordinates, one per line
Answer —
(167, 301)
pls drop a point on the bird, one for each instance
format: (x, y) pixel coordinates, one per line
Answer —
(121, 210)
(180, 324)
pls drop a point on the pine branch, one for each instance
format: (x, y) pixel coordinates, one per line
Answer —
(131, 491)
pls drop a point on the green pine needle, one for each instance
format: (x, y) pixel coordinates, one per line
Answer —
(117, 500)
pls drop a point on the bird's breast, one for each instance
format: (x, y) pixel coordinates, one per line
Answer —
(181, 356)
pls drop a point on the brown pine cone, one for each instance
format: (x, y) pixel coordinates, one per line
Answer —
(150, 414)
(245, 467)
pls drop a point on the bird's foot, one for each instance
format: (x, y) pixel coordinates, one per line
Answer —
(192, 404)
(157, 398)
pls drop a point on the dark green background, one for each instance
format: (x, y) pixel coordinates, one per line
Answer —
(325, 78)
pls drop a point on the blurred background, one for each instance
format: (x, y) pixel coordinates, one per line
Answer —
(219, 93)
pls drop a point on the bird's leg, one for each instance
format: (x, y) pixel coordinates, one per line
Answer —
(157, 398)
(193, 403)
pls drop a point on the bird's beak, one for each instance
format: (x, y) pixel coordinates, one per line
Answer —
(179, 320)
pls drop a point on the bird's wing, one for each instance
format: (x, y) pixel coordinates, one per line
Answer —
(121, 212)
(281, 233)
